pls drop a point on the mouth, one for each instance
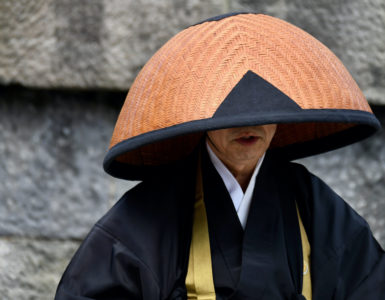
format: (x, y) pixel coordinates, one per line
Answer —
(247, 140)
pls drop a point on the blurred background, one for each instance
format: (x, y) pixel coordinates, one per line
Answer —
(65, 68)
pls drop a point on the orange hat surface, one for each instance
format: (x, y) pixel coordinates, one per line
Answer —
(238, 70)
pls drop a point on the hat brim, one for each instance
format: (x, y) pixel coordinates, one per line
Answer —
(335, 129)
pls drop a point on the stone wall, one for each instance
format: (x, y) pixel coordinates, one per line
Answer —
(65, 67)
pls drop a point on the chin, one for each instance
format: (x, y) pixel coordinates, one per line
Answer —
(251, 158)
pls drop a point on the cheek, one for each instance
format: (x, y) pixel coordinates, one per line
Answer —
(218, 138)
(270, 132)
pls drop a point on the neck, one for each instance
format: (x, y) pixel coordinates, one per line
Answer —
(242, 173)
(242, 170)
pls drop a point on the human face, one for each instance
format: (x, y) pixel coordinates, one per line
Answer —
(241, 146)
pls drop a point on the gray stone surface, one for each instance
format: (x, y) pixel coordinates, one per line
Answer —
(52, 146)
(103, 44)
(27, 42)
(31, 269)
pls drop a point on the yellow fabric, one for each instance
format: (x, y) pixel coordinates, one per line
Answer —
(306, 285)
(199, 279)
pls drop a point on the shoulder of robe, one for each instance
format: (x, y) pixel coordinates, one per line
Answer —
(155, 206)
(134, 247)
(344, 251)
(333, 220)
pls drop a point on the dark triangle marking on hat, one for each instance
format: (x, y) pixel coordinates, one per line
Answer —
(253, 94)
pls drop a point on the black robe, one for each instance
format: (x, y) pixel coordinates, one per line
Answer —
(140, 248)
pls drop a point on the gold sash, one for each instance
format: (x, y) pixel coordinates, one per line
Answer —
(306, 278)
(199, 279)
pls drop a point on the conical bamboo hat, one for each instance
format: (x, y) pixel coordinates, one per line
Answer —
(238, 70)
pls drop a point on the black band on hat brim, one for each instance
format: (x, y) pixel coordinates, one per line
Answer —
(363, 124)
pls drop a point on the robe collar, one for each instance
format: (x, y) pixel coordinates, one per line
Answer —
(241, 200)
(272, 216)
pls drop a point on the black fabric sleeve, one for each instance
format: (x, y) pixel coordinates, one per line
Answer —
(346, 241)
(373, 285)
(104, 268)
(347, 261)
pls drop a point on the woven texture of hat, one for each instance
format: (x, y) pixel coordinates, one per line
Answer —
(190, 76)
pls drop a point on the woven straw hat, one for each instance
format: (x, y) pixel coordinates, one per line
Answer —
(237, 70)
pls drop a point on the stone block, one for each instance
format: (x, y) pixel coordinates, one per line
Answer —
(27, 42)
(52, 181)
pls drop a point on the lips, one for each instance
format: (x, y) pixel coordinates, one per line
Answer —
(247, 140)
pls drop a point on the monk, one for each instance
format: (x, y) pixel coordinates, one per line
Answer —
(210, 127)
